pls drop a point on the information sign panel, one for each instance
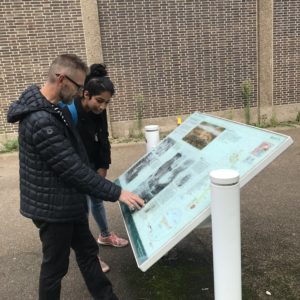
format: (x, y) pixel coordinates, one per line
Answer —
(173, 179)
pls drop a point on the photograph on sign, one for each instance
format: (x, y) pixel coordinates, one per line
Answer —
(173, 178)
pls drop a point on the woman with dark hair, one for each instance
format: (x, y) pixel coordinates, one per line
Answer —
(89, 115)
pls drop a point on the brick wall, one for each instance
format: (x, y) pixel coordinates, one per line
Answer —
(32, 34)
(286, 34)
(180, 55)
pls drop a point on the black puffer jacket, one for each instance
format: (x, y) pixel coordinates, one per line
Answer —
(93, 130)
(53, 177)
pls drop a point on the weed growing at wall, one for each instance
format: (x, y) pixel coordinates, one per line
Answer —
(137, 130)
(9, 146)
(246, 95)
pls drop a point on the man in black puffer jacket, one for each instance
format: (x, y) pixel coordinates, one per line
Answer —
(55, 178)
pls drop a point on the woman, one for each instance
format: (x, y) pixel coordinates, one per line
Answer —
(89, 115)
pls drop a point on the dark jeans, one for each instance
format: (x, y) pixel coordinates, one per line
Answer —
(57, 239)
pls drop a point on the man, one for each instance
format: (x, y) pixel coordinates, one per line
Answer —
(55, 178)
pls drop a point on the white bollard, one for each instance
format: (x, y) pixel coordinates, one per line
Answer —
(151, 136)
(226, 232)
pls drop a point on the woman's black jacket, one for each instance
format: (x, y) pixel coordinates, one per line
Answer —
(93, 130)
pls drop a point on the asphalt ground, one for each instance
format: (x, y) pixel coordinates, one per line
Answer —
(270, 227)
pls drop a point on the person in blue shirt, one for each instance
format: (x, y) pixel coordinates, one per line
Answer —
(89, 115)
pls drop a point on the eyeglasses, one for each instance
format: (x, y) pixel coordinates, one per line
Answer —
(79, 87)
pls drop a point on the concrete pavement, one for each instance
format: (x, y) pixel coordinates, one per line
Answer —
(270, 221)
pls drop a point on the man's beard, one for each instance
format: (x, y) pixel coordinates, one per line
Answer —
(65, 97)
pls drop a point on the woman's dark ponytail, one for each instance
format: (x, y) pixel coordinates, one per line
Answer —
(97, 81)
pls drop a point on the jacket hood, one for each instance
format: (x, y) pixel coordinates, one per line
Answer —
(31, 100)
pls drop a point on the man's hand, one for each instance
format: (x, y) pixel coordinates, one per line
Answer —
(132, 200)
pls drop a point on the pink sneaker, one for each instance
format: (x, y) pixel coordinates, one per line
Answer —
(104, 266)
(112, 240)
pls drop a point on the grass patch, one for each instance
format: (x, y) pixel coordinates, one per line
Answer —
(276, 124)
(10, 146)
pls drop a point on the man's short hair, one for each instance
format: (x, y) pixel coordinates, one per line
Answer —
(67, 64)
